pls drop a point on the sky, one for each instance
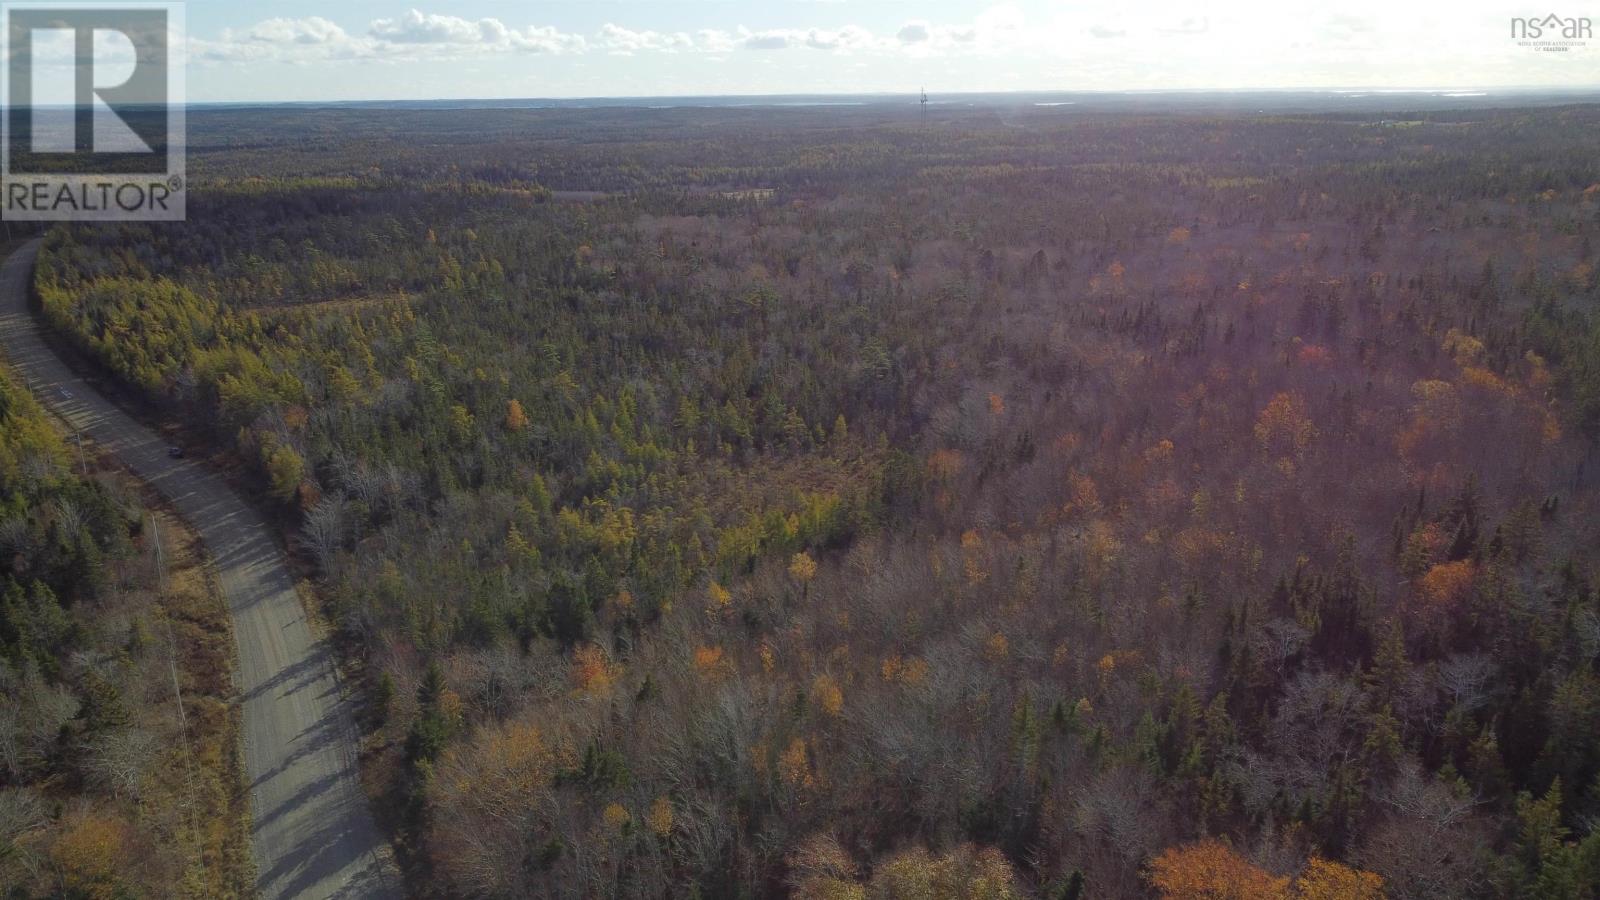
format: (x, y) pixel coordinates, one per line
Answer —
(265, 50)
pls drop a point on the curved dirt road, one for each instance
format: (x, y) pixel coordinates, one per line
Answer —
(312, 833)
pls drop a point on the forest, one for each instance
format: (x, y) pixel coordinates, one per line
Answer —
(107, 625)
(832, 504)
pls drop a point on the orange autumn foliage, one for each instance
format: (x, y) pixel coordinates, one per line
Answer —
(828, 695)
(1208, 870)
(516, 417)
(592, 672)
(794, 766)
(90, 852)
(1159, 452)
(1446, 583)
(974, 557)
(1327, 880)
(944, 465)
(502, 766)
(1285, 420)
(1482, 378)
(712, 664)
(1315, 355)
(1085, 496)
(997, 647)
(905, 670)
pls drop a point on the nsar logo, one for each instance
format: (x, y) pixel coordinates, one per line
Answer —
(1552, 33)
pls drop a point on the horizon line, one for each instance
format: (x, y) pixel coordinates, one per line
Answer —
(1351, 89)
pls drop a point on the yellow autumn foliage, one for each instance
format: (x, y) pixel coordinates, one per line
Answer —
(660, 817)
(802, 567)
(829, 697)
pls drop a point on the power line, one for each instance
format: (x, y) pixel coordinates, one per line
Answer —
(177, 695)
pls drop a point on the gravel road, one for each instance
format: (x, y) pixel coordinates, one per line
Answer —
(312, 833)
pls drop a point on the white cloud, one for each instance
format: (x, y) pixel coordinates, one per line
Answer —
(546, 40)
(767, 40)
(623, 40)
(413, 36)
(419, 28)
(416, 27)
(914, 33)
(849, 37)
(716, 41)
(417, 35)
(312, 30)
(1191, 25)
(997, 30)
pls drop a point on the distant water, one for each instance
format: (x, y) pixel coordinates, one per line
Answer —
(1329, 100)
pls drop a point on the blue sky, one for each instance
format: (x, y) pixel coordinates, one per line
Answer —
(381, 49)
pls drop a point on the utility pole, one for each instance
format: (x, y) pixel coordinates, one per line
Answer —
(177, 688)
(161, 565)
(924, 107)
